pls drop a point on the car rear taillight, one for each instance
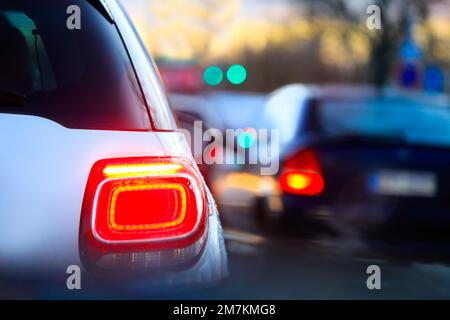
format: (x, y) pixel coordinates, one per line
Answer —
(136, 206)
(302, 174)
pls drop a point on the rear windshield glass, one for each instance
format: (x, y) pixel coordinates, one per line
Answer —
(410, 120)
(80, 78)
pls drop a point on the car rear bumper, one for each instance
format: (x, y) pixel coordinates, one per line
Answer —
(209, 269)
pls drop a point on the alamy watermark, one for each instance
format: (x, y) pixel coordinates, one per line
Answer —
(73, 22)
(238, 146)
(374, 21)
(374, 280)
(73, 281)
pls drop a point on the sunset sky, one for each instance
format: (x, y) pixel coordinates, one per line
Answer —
(220, 30)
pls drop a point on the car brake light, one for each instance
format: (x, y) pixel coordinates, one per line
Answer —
(302, 175)
(136, 205)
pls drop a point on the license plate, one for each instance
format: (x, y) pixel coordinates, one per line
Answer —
(404, 183)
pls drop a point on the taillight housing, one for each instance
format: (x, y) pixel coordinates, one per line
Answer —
(135, 206)
(302, 175)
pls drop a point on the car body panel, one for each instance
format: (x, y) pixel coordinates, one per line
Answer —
(44, 169)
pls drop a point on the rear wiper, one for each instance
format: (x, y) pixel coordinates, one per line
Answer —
(9, 97)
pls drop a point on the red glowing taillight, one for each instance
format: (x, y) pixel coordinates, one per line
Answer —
(302, 174)
(136, 205)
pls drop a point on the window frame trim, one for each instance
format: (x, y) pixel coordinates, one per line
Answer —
(122, 22)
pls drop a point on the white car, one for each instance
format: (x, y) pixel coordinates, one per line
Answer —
(93, 171)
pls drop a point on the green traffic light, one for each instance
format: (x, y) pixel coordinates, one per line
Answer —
(213, 75)
(237, 74)
(245, 140)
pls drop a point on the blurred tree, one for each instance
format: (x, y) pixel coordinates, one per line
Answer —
(189, 26)
(384, 43)
(280, 42)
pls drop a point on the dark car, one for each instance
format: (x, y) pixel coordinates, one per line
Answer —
(363, 161)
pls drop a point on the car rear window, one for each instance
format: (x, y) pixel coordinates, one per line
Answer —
(80, 78)
(412, 120)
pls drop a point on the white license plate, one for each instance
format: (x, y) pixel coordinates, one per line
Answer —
(404, 183)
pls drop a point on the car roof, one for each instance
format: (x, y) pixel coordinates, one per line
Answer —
(328, 91)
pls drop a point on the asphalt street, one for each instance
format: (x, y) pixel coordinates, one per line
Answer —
(279, 264)
(276, 263)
